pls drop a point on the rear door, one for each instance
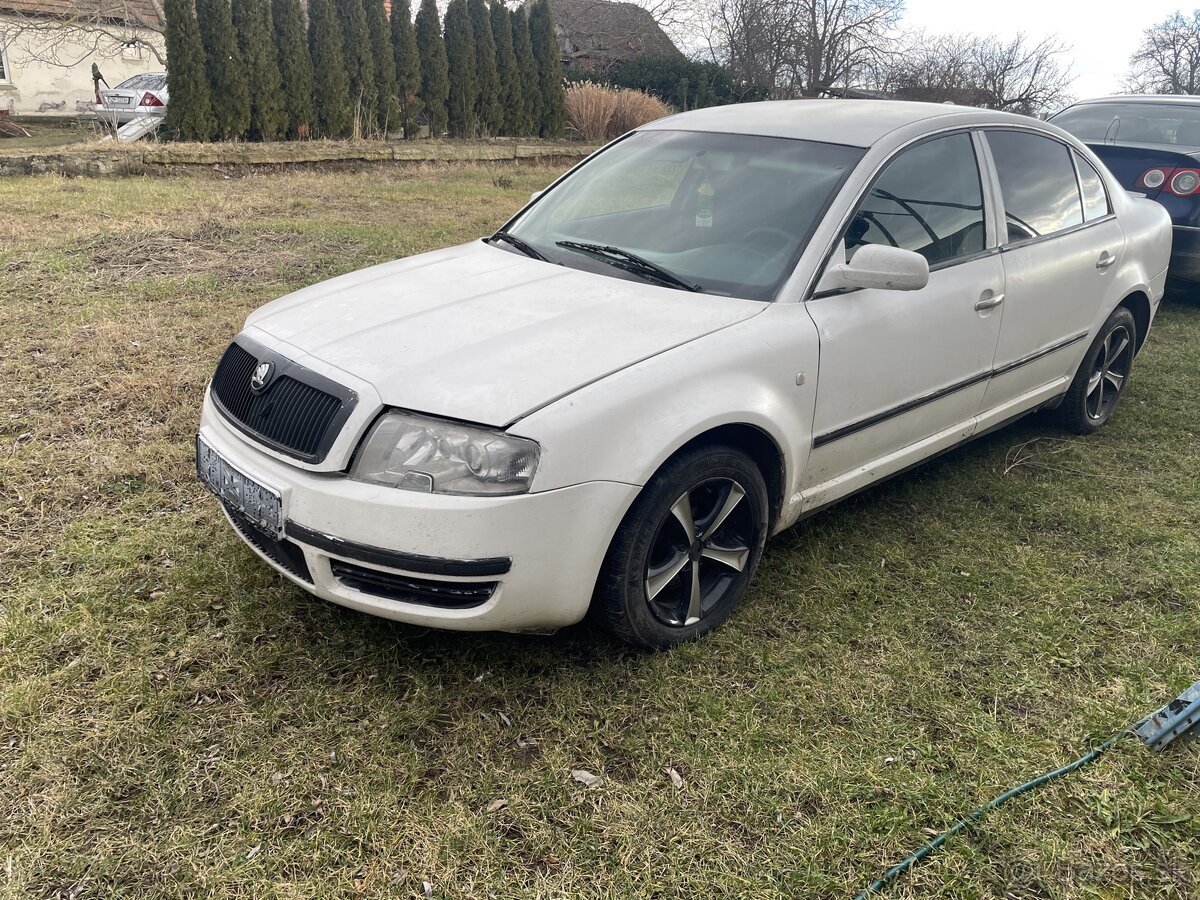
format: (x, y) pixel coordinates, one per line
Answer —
(1057, 261)
(902, 373)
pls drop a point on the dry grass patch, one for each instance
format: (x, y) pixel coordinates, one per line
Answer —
(215, 248)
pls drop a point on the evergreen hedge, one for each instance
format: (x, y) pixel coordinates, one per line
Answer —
(549, 68)
(407, 66)
(331, 95)
(512, 96)
(189, 114)
(255, 68)
(256, 36)
(489, 111)
(227, 84)
(527, 69)
(435, 73)
(461, 58)
(295, 66)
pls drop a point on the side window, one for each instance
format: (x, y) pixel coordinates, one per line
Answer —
(1095, 197)
(1037, 182)
(928, 199)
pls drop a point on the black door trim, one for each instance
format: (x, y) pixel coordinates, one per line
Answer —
(909, 405)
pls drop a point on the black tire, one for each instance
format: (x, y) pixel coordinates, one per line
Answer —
(647, 545)
(1100, 381)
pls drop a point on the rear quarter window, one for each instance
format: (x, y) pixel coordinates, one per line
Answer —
(1091, 185)
(1037, 183)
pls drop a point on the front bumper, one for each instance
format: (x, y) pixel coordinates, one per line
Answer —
(539, 553)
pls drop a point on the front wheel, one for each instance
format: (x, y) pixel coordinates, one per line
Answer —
(683, 556)
(1096, 390)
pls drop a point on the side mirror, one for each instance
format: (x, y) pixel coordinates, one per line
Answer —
(880, 267)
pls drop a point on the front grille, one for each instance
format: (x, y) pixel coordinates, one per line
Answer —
(298, 413)
(283, 553)
(405, 588)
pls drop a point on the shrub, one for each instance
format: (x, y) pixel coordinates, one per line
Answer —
(601, 113)
(633, 109)
(590, 109)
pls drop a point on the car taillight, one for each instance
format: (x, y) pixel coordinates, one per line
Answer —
(1180, 182)
(148, 99)
(1184, 182)
(1153, 179)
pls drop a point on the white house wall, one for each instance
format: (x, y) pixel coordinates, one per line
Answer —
(37, 86)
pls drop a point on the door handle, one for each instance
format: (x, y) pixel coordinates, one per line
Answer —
(989, 302)
(1106, 259)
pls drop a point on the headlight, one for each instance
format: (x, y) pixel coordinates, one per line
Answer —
(440, 457)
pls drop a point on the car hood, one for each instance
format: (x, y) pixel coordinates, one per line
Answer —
(484, 335)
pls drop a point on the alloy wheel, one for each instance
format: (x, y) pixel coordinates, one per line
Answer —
(1109, 371)
(701, 548)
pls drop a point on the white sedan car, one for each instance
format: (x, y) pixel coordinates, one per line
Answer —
(141, 95)
(711, 328)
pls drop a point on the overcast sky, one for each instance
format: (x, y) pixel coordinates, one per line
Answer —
(1102, 35)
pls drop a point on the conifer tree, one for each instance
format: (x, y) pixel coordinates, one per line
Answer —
(549, 65)
(359, 59)
(489, 112)
(531, 87)
(331, 95)
(435, 74)
(256, 36)
(189, 114)
(226, 73)
(386, 109)
(512, 98)
(460, 56)
(295, 66)
(408, 66)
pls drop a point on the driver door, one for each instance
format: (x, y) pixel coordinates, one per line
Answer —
(902, 374)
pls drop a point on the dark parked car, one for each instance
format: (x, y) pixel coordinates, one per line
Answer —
(1152, 144)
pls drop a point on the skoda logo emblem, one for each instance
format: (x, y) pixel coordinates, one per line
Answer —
(261, 376)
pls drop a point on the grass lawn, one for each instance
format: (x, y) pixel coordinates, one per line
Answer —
(178, 721)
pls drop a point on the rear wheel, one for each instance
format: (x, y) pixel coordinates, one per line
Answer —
(686, 551)
(1100, 381)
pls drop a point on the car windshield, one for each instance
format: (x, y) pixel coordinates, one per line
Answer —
(1138, 123)
(724, 214)
(147, 82)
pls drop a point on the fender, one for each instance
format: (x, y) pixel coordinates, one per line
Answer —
(761, 372)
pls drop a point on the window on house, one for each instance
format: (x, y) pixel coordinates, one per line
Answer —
(5, 77)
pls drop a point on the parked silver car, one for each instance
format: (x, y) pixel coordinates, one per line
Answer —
(141, 95)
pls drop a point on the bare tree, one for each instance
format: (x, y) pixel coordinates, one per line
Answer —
(1017, 75)
(1022, 76)
(758, 41)
(840, 39)
(801, 47)
(1168, 59)
(97, 28)
(930, 68)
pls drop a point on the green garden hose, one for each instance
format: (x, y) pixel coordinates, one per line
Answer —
(911, 860)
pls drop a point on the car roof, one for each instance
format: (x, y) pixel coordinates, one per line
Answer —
(857, 123)
(1140, 98)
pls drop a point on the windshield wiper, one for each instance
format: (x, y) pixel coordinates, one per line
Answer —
(527, 249)
(630, 262)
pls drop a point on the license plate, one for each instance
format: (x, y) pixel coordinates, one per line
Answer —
(258, 504)
(119, 101)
